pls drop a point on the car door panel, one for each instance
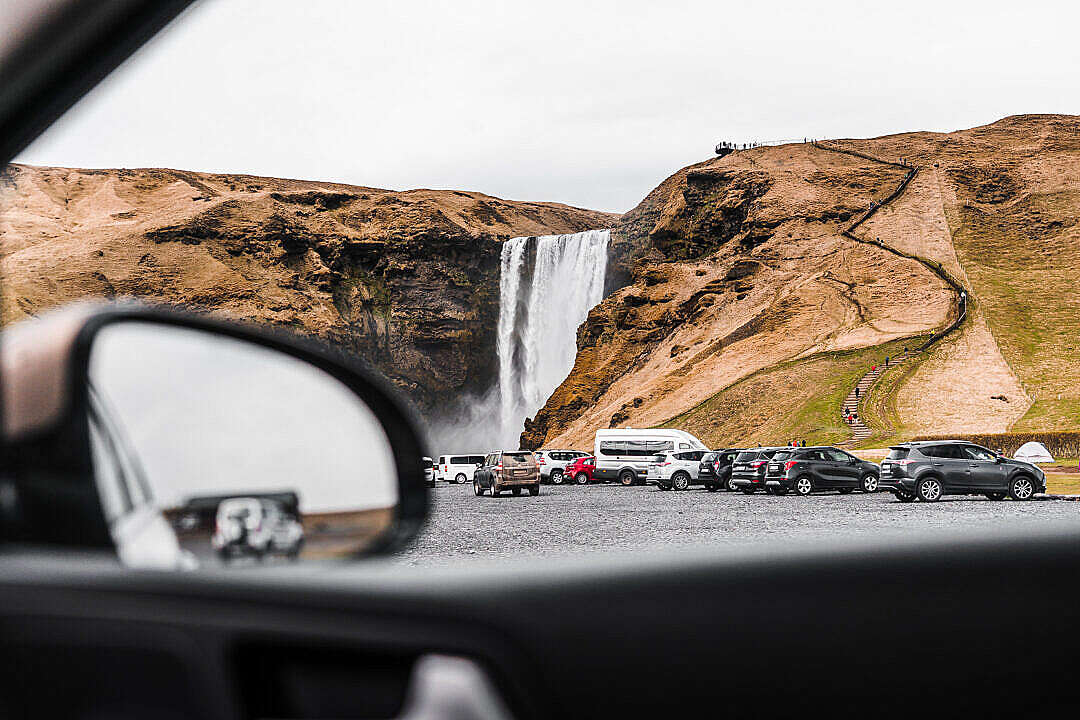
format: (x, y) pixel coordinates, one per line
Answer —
(503, 619)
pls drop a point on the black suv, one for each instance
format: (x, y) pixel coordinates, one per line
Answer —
(806, 469)
(748, 469)
(715, 469)
(928, 470)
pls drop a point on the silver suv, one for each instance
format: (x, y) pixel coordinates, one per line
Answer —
(552, 464)
(676, 470)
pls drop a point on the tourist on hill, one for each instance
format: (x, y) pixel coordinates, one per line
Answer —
(856, 392)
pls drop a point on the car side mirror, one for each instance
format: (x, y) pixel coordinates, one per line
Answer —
(178, 440)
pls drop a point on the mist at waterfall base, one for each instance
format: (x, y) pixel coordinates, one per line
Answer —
(547, 286)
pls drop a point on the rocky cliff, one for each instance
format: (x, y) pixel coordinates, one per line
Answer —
(408, 280)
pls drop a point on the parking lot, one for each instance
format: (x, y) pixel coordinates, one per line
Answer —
(573, 520)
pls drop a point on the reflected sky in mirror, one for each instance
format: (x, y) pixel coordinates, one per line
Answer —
(209, 415)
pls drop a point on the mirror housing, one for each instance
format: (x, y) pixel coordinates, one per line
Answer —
(48, 490)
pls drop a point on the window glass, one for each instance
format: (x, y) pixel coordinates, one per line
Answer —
(459, 460)
(837, 456)
(611, 448)
(897, 454)
(978, 453)
(783, 455)
(746, 456)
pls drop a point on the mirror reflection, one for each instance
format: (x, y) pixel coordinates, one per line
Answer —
(213, 450)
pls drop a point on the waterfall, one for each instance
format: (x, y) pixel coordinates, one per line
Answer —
(547, 285)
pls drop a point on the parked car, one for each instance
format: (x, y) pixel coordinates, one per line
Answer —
(581, 470)
(255, 527)
(625, 453)
(714, 470)
(552, 464)
(429, 470)
(458, 469)
(806, 469)
(748, 469)
(678, 470)
(514, 470)
(928, 470)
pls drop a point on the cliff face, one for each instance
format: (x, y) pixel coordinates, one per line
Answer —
(408, 280)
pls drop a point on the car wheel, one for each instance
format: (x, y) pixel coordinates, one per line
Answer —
(680, 481)
(846, 491)
(582, 479)
(869, 483)
(929, 489)
(477, 488)
(534, 490)
(996, 495)
(904, 497)
(556, 477)
(460, 478)
(1021, 488)
(803, 485)
(627, 478)
(495, 491)
(731, 486)
(517, 492)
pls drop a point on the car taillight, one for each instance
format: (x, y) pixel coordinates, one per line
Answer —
(499, 466)
(904, 463)
(789, 464)
(541, 461)
(757, 463)
(663, 464)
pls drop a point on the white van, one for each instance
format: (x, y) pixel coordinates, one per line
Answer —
(624, 454)
(458, 468)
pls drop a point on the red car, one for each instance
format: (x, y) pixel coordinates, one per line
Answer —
(581, 470)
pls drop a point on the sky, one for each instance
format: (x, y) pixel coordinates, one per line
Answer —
(587, 103)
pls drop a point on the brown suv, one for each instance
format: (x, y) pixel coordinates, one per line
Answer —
(507, 470)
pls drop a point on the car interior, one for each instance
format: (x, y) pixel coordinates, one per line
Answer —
(938, 625)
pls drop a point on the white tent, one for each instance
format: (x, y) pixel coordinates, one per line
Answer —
(1034, 452)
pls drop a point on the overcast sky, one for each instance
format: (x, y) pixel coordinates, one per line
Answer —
(588, 103)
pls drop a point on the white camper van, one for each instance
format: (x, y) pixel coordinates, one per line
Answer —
(623, 454)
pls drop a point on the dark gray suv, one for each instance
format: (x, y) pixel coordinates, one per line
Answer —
(928, 470)
(806, 469)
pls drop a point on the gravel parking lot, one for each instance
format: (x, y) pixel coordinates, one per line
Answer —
(573, 520)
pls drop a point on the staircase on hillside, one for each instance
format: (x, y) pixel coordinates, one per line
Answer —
(859, 430)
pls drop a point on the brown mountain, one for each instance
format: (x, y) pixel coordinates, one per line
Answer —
(409, 280)
(747, 316)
